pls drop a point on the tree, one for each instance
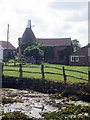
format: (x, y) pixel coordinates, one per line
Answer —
(48, 51)
(76, 45)
(34, 51)
(25, 45)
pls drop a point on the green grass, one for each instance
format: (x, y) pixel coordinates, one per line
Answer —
(49, 76)
(69, 79)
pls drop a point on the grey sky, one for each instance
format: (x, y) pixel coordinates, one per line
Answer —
(52, 18)
(68, 5)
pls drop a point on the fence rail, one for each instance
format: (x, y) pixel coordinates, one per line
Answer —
(10, 70)
(77, 71)
(21, 71)
(76, 77)
(53, 67)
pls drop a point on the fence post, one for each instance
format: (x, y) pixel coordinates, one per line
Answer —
(20, 70)
(42, 71)
(2, 68)
(88, 77)
(14, 62)
(64, 75)
(5, 61)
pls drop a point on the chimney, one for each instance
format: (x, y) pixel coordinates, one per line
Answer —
(29, 24)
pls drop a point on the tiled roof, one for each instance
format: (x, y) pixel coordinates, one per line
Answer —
(4, 45)
(27, 36)
(55, 41)
(82, 51)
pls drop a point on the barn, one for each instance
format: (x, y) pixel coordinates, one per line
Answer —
(80, 57)
(62, 47)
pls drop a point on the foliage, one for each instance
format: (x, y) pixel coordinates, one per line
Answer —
(69, 113)
(10, 55)
(9, 100)
(74, 98)
(60, 95)
(76, 45)
(16, 115)
(25, 45)
(34, 51)
(85, 95)
(48, 51)
(56, 95)
(66, 52)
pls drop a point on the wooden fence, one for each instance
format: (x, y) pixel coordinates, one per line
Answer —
(43, 72)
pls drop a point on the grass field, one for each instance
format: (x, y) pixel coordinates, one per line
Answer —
(49, 76)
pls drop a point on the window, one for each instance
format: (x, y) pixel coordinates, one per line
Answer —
(74, 58)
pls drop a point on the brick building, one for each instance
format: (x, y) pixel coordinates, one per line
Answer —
(11, 49)
(60, 45)
(80, 57)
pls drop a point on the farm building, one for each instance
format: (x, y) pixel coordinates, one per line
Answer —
(1, 53)
(80, 57)
(10, 51)
(61, 46)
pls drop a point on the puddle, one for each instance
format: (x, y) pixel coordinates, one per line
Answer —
(34, 104)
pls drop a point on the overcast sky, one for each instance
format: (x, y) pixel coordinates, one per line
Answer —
(51, 18)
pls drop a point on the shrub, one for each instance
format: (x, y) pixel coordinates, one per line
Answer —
(48, 51)
(9, 100)
(34, 51)
(16, 115)
(69, 113)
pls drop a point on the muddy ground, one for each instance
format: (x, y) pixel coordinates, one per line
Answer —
(34, 104)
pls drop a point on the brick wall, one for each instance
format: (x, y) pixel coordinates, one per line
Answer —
(83, 57)
(83, 61)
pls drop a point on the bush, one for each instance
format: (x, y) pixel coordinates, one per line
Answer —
(70, 113)
(16, 115)
(9, 100)
(34, 51)
(23, 46)
(48, 51)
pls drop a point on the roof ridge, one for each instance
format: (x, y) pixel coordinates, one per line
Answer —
(54, 38)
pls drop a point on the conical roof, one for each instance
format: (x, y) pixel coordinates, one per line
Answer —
(28, 34)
